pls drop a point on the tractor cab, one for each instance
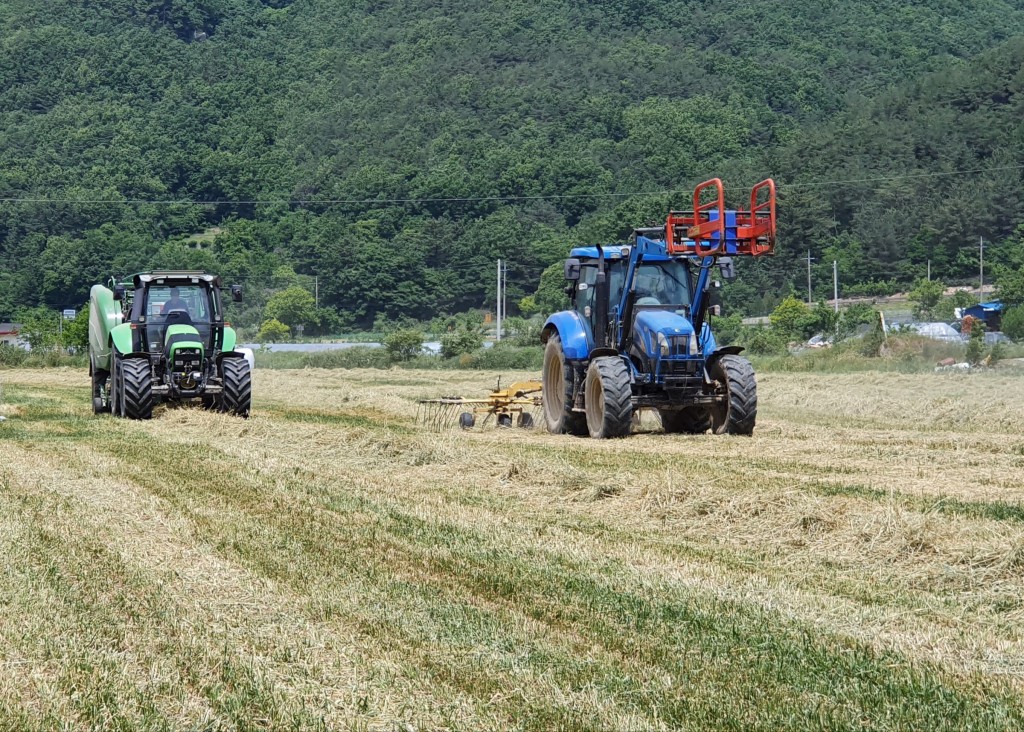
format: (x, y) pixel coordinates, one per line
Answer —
(167, 303)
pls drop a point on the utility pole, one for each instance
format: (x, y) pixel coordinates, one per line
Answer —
(981, 266)
(929, 270)
(504, 290)
(809, 260)
(835, 282)
(498, 304)
(316, 290)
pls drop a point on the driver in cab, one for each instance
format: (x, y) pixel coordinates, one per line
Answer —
(175, 303)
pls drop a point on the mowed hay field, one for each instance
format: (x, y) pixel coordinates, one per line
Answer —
(857, 563)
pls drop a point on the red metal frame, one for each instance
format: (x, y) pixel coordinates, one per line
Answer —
(755, 227)
(698, 223)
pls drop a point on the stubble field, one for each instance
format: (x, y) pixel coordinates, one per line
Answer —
(857, 563)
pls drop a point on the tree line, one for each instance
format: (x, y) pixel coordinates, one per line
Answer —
(391, 153)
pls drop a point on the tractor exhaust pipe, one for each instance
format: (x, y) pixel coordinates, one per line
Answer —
(601, 302)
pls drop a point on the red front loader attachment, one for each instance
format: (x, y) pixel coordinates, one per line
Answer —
(711, 230)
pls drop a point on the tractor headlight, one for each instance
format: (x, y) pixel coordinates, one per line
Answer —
(663, 345)
(693, 345)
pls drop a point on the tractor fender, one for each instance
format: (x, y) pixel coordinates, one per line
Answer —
(572, 330)
(230, 338)
(711, 360)
(245, 353)
(121, 336)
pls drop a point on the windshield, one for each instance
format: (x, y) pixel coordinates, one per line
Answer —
(192, 299)
(662, 283)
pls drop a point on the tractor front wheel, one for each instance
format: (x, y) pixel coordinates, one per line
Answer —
(691, 420)
(136, 396)
(557, 392)
(237, 395)
(609, 398)
(736, 414)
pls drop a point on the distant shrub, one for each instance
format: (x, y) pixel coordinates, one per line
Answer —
(459, 341)
(976, 344)
(763, 342)
(404, 344)
(273, 330)
(853, 317)
(727, 329)
(521, 331)
(359, 357)
(519, 358)
(12, 356)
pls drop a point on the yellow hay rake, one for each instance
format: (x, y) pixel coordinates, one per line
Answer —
(518, 404)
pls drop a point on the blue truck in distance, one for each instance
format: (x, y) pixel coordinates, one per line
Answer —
(637, 334)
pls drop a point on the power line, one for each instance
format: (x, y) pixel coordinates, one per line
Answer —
(473, 199)
(881, 179)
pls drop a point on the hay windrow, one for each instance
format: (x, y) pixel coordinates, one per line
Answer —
(351, 567)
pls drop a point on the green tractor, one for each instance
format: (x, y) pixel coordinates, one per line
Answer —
(162, 337)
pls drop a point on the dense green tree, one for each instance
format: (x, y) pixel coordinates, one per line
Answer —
(925, 295)
(294, 306)
(793, 320)
(1010, 287)
(1013, 323)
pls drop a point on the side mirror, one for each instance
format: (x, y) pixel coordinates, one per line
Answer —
(236, 293)
(728, 269)
(715, 310)
(572, 269)
(119, 292)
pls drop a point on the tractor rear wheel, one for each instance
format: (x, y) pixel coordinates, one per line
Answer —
(609, 398)
(237, 395)
(557, 392)
(738, 412)
(136, 388)
(691, 420)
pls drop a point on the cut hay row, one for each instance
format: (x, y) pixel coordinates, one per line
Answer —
(857, 562)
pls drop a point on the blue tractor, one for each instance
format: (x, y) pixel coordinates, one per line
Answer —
(637, 335)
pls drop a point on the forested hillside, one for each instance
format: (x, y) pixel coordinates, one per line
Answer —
(396, 150)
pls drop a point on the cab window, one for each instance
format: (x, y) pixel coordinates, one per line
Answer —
(191, 298)
(585, 290)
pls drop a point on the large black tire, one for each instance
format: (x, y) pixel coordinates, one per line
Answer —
(609, 398)
(100, 391)
(690, 421)
(237, 395)
(738, 413)
(557, 392)
(136, 388)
